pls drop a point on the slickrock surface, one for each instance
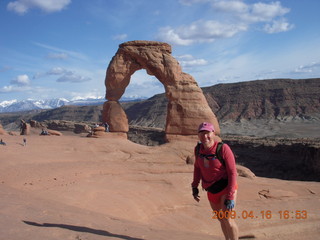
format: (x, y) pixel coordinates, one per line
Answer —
(74, 187)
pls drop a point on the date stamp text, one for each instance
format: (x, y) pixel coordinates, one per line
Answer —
(264, 214)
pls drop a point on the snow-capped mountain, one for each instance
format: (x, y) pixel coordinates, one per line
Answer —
(7, 103)
(28, 105)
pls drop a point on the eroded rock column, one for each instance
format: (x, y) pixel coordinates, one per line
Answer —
(115, 116)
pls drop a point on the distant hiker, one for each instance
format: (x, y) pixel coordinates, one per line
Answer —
(44, 132)
(106, 127)
(24, 141)
(215, 167)
(2, 143)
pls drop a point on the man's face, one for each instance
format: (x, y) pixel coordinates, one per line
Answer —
(206, 138)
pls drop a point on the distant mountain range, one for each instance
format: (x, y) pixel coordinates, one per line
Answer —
(29, 105)
(275, 101)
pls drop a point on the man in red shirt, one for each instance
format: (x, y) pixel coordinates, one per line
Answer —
(218, 178)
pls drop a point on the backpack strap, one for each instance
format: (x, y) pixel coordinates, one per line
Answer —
(197, 151)
(218, 152)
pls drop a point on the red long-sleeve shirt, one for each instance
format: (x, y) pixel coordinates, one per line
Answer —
(213, 170)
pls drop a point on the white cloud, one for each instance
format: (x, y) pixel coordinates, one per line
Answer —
(21, 80)
(65, 75)
(234, 7)
(143, 85)
(200, 31)
(257, 12)
(23, 6)
(18, 84)
(168, 34)
(278, 26)
(189, 61)
(120, 37)
(53, 71)
(266, 12)
(58, 71)
(209, 30)
(14, 88)
(141, 78)
(309, 68)
(73, 78)
(238, 16)
(185, 57)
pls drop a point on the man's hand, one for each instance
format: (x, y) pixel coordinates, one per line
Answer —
(195, 194)
(229, 204)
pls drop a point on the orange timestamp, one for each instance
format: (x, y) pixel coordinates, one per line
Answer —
(264, 214)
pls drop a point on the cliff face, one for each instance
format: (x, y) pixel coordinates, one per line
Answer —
(260, 100)
(148, 113)
(289, 159)
(265, 99)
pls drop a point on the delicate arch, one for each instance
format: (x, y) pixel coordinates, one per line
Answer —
(187, 106)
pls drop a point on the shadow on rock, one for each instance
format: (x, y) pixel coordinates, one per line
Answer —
(82, 229)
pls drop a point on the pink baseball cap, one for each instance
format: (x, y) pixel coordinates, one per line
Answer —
(205, 126)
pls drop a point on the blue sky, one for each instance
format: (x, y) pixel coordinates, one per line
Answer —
(62, 48)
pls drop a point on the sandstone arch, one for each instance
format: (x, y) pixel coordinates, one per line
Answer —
(187, 106)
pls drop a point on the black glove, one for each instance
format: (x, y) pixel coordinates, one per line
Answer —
(195, 194)
(229, 204)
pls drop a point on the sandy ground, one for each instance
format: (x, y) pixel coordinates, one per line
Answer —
(74, 187)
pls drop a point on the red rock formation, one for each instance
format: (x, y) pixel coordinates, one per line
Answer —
(114, 115)
(99, 129)
(97, 132)
(25, 128)
(187, 106)
(54, 132)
